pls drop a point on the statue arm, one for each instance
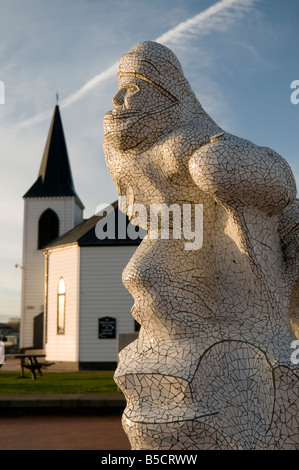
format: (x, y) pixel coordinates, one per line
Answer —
(289, 234)
(239, 173)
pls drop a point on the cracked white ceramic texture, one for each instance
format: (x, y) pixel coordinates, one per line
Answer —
(211, 368)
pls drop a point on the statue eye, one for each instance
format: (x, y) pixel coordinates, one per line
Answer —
(132, 89)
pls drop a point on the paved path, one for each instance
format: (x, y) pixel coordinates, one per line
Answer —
(105, 401)
(63, 429)
(11, 364)
(63, 433)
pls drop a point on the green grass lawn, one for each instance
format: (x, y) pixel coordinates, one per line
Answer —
(58, 382)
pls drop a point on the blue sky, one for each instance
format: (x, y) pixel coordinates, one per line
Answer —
(240, 57)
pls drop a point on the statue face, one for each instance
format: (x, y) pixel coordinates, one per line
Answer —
(131, 96)
(134, 119)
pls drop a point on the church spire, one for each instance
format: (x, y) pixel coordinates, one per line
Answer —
(55, 175)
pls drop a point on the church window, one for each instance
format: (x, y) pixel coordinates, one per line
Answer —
(61, 307)
(48, 228)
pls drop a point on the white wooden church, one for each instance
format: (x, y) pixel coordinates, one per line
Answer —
(73, 301)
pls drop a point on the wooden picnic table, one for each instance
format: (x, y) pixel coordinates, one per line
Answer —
(31, 361)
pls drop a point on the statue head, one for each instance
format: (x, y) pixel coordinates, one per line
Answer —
(153, 97)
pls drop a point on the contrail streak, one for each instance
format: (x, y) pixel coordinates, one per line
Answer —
(194, 25)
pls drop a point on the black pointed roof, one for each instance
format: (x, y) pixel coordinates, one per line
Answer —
(55, 175)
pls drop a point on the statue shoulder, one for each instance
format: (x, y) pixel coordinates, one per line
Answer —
(238, 172)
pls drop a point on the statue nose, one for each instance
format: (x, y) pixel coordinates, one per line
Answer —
(118, 99)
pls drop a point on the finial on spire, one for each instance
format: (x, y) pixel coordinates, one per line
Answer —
(57, 97)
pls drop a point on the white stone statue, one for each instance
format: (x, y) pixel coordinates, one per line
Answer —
(211, 368)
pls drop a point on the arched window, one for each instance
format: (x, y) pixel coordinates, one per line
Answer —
(48, 228)
(61, 307)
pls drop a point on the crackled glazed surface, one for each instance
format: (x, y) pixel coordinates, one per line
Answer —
(211, 368)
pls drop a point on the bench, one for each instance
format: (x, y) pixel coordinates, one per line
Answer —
(30, 361)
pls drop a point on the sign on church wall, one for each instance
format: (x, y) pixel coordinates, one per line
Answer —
(107, 327)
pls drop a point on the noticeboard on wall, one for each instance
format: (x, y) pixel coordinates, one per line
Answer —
(107, 328)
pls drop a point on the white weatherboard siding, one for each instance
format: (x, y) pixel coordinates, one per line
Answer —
(78, 215)
(33, 274)
(103, 294)
(63, 262)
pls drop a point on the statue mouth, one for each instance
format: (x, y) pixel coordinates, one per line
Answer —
(122, 114)
(120, 119)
